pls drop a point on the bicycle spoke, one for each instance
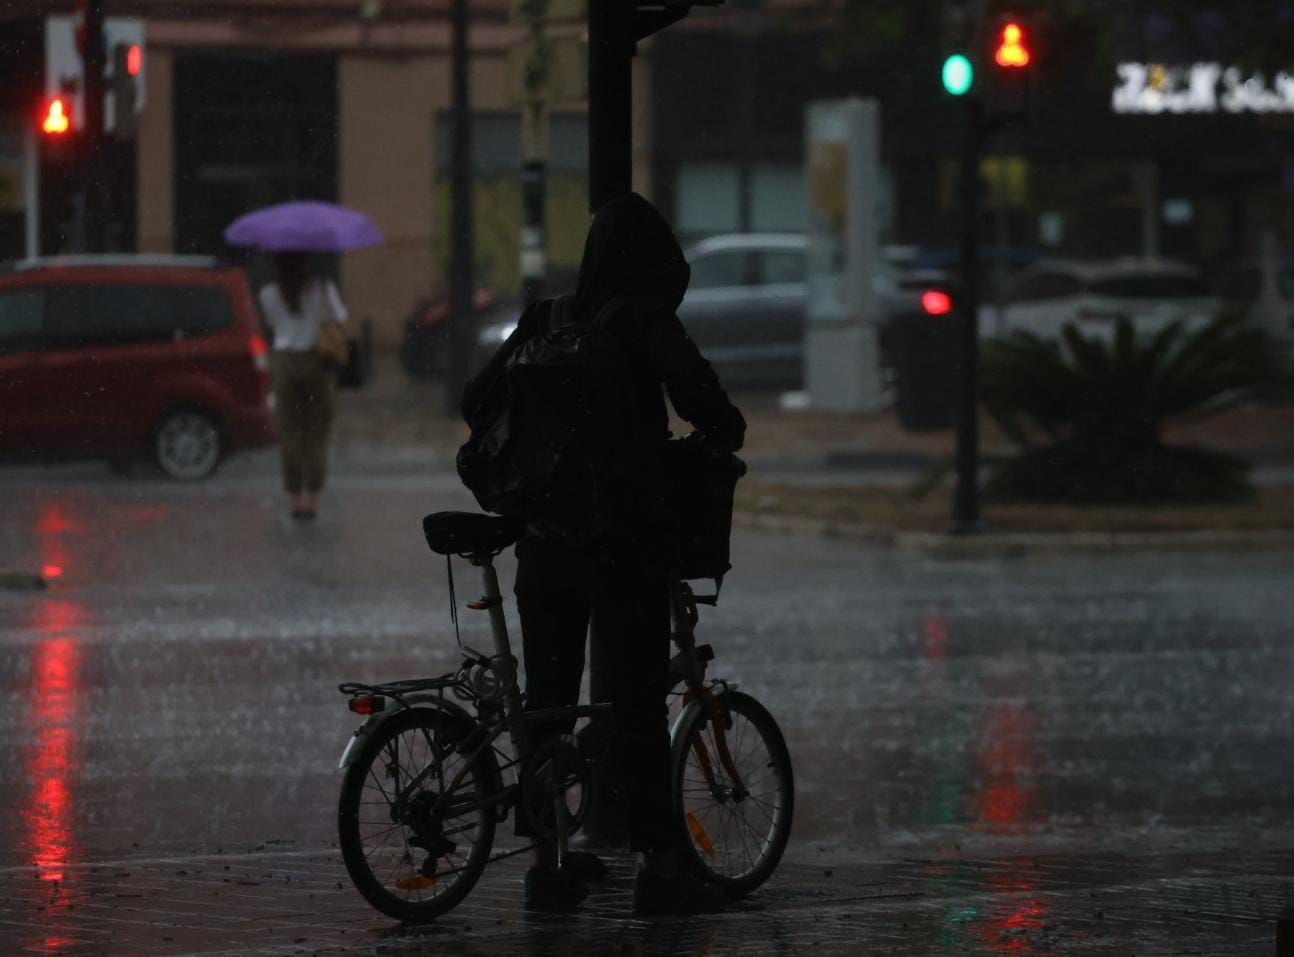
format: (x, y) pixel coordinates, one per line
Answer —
(745, 846)
(380, 835)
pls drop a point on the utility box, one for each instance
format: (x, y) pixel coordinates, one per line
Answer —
(842, 355)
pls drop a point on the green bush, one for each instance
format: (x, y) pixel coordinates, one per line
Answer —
(1088, 414)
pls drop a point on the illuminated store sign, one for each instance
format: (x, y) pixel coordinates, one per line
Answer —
(1199, 88)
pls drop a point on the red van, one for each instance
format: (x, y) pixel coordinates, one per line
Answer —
(129, 357)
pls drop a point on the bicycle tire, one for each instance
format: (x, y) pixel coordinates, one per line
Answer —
(421, 730)
(717, 832)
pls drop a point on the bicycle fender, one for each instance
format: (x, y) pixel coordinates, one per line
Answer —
(433, 701)
(718, 689)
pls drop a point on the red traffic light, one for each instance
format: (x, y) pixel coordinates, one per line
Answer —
(936, 302)
(57, 119)
(1011, 50)
(134, 59)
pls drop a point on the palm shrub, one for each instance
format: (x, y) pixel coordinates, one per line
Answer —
(1088, 413)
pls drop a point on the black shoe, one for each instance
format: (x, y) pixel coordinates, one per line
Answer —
(584, 866)
(553, 892)
(681, 894)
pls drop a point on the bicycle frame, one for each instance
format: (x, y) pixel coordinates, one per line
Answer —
(490, 682)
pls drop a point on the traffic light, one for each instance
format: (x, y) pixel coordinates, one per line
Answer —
(123, 84)
(1011, 51)
(958, 71)
(1013, 69)
(56, 118)
(958, 74)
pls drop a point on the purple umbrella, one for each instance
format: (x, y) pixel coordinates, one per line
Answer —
(306, 226)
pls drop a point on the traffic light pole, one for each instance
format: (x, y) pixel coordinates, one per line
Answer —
(611, 49)
(461, 279)
(93, 171)
(966, 512)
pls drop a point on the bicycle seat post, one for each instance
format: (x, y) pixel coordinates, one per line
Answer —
(505, 665)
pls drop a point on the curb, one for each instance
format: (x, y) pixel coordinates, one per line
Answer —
(1020, 544)
(11, 580)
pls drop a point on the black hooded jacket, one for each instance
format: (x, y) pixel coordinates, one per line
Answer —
(631, 254)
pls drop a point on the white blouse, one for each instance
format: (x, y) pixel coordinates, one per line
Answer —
(298, 331)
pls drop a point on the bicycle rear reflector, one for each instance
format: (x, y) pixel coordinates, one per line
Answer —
(366, 704)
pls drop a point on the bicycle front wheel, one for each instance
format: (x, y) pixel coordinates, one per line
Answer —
(733, 830)
(416, 820)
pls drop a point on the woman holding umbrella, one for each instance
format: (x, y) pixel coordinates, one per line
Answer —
(298, 307)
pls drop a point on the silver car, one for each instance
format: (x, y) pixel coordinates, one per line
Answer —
(745, 306)
(1150, 293)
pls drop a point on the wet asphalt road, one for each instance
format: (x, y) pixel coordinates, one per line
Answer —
(173, 692)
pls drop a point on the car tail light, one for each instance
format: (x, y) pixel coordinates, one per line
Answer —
(936, 302)
(260, 354)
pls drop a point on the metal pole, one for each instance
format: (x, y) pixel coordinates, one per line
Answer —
(611, 48)
(533, 258)
(966, 516)
(31, 194)
(93, 165)
(461, 279)
(534, 144)
(610, 175)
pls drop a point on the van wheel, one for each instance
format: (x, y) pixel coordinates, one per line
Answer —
(188, 445)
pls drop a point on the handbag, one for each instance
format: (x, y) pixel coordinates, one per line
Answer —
(332, 346)
(353, 373)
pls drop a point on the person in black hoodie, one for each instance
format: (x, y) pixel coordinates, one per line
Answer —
(620, 581)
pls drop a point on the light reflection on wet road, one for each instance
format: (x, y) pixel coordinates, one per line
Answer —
(174, 689)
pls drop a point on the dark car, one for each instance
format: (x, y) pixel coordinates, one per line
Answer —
(131, 357)
(424, 347)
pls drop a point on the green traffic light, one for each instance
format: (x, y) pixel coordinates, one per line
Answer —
(958, 74)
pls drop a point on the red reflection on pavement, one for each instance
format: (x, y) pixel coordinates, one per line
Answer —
(1013, 931)
(50, 527)
(1008, 767)
(55, 667)
(52, 765)
(54, 520)
(934, 628)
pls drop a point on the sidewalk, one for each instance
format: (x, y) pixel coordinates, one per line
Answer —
(280, 901)
(395, 416)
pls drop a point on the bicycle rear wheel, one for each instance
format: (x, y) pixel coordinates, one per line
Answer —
(732, 833)
(415, 840)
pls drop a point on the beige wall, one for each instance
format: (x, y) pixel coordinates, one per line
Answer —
(386, 168)
(155, 160)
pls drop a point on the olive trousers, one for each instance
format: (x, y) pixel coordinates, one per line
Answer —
(305, 396)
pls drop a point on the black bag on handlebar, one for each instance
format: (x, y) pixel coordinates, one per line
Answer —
(699, 485)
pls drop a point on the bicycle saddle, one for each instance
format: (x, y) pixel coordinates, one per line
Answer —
(470, 533)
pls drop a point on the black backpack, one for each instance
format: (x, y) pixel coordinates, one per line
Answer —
(551, 435)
